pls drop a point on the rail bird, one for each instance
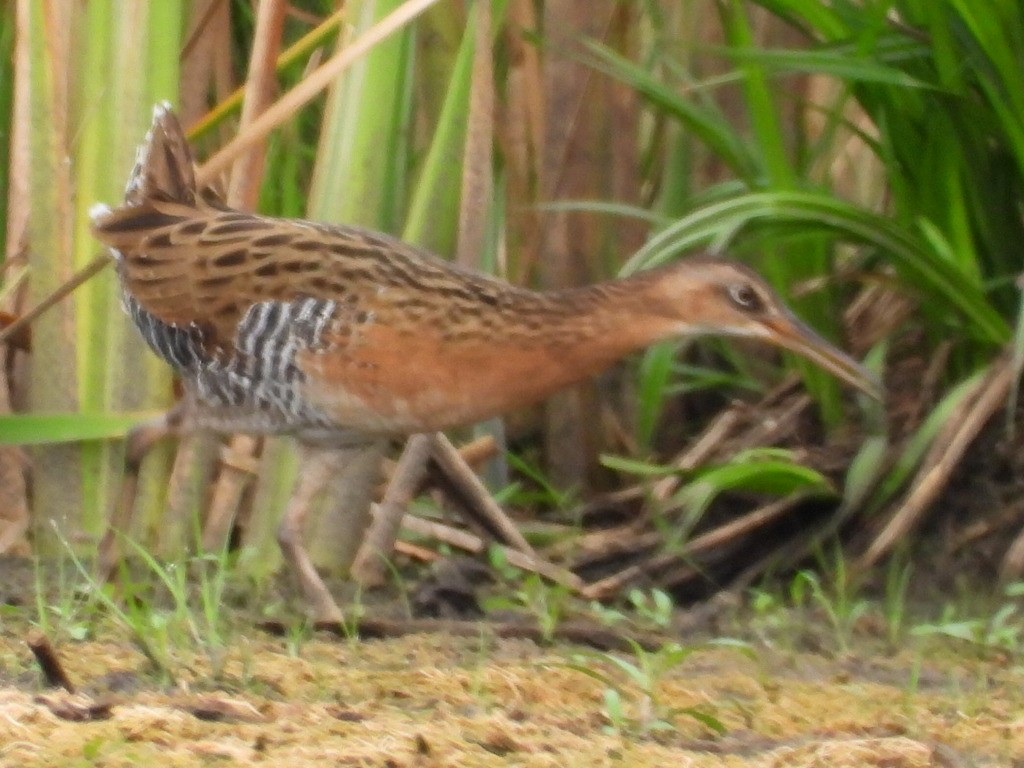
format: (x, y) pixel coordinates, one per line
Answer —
(343, 337)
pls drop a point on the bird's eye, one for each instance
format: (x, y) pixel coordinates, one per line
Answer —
(745, 297)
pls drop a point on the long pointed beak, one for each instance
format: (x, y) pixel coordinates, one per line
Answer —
(790, 333)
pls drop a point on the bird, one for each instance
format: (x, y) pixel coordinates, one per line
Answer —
(344, 338)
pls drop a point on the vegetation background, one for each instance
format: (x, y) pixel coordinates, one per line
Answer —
(867, 156)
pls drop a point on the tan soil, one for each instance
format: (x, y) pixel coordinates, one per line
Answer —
(430, 700)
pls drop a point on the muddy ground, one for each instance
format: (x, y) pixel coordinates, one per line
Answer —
(799, 696)
(428, 701)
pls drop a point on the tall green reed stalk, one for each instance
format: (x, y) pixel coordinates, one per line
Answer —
(85, 102)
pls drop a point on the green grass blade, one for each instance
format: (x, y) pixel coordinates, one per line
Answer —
(940, 281)
(701, 119)
(130, 60)
(358, 176)
(52, 375)
(839, 61)
(433, 217)
(656, 368)
(39, 428)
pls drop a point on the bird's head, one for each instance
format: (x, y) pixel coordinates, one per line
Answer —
(726, 298)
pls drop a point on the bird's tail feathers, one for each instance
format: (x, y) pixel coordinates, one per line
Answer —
(164, 168)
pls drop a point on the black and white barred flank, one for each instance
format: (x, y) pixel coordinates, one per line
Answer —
(258, 378)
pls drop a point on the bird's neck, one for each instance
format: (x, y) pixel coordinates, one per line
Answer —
(616, 317)
(560, 338)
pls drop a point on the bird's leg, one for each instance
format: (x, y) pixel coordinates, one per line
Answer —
(138, 444)
(319, 467)
(345, 514)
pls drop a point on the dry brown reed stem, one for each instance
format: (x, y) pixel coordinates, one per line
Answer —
(83, 275)
(370, 566)
(475, 493)
(236, 470)
(477, 158)
(949, 447)
(243, 193)
(260, 87)
(474, 544)
(49, 662)
(713, 539)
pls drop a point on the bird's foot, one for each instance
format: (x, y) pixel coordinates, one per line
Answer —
(326, 614)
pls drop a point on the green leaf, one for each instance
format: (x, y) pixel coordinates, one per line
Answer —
(655, 375)
(590, 672)
(771, 476)
(636, 466)
(968, 630)
(46, 428)
(358, 175)
(840, 61)
(704, 718)
(940, 282)
(909, 459)
(866, 469)
(700, 118)
(433, 216)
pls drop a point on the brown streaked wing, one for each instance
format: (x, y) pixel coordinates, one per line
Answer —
(188, 264)
(207, 265)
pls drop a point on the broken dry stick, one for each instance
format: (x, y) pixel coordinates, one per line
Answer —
(45, 654)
